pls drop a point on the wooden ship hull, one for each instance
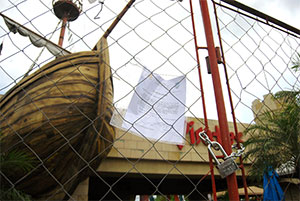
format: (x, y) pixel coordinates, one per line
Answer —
(60, 116)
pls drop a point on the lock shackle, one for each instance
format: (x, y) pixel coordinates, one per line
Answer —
(217, 146)
(213, 154)
(228, 166)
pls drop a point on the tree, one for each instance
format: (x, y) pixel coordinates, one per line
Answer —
(275, 139)
(11, 162)
(296, 62)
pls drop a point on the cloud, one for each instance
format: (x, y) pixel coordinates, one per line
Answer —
(286, 11)
(290, 5)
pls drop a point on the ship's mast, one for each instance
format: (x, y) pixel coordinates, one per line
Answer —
(66, 10)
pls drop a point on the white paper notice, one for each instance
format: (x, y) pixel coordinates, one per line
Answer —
(156, 110)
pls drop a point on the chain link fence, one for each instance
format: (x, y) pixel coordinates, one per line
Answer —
(263, 53)
(259, 55)
(63, 117)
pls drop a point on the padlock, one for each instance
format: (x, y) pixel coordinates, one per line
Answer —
(228, 166)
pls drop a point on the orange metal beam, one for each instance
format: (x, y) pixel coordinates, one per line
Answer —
(232, 107)
(62, 31)
(203, 101)
(231, 179)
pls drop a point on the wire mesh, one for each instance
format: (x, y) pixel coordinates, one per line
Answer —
(152, 34)
(260, 59)
(57, 111)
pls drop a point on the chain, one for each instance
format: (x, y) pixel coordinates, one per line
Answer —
(239, 151)
(204, 137)
(217, 146)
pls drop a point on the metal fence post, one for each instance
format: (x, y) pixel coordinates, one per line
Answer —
(231, 179)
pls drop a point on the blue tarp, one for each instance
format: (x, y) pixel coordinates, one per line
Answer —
(272, 189)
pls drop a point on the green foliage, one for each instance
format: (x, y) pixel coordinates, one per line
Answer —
(224, 197)
(161, 198)
(16, 161)
(275, 140)
(296, 62)
(13, 194)
(10, 163)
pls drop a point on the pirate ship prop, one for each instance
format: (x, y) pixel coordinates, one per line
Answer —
(60, 115)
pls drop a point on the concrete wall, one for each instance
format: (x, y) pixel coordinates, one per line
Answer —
(135, 154)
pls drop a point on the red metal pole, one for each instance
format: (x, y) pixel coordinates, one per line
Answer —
(231, 179)
(62, 31)
(203, 102)
(144, 197)
(199, 71)
(232, 108)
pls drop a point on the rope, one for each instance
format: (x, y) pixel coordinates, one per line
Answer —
(39, 55)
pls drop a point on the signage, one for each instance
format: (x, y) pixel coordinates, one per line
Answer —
(215, 135)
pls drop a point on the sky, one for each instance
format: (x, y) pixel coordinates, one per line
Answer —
(286, 11)
(155, 34)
